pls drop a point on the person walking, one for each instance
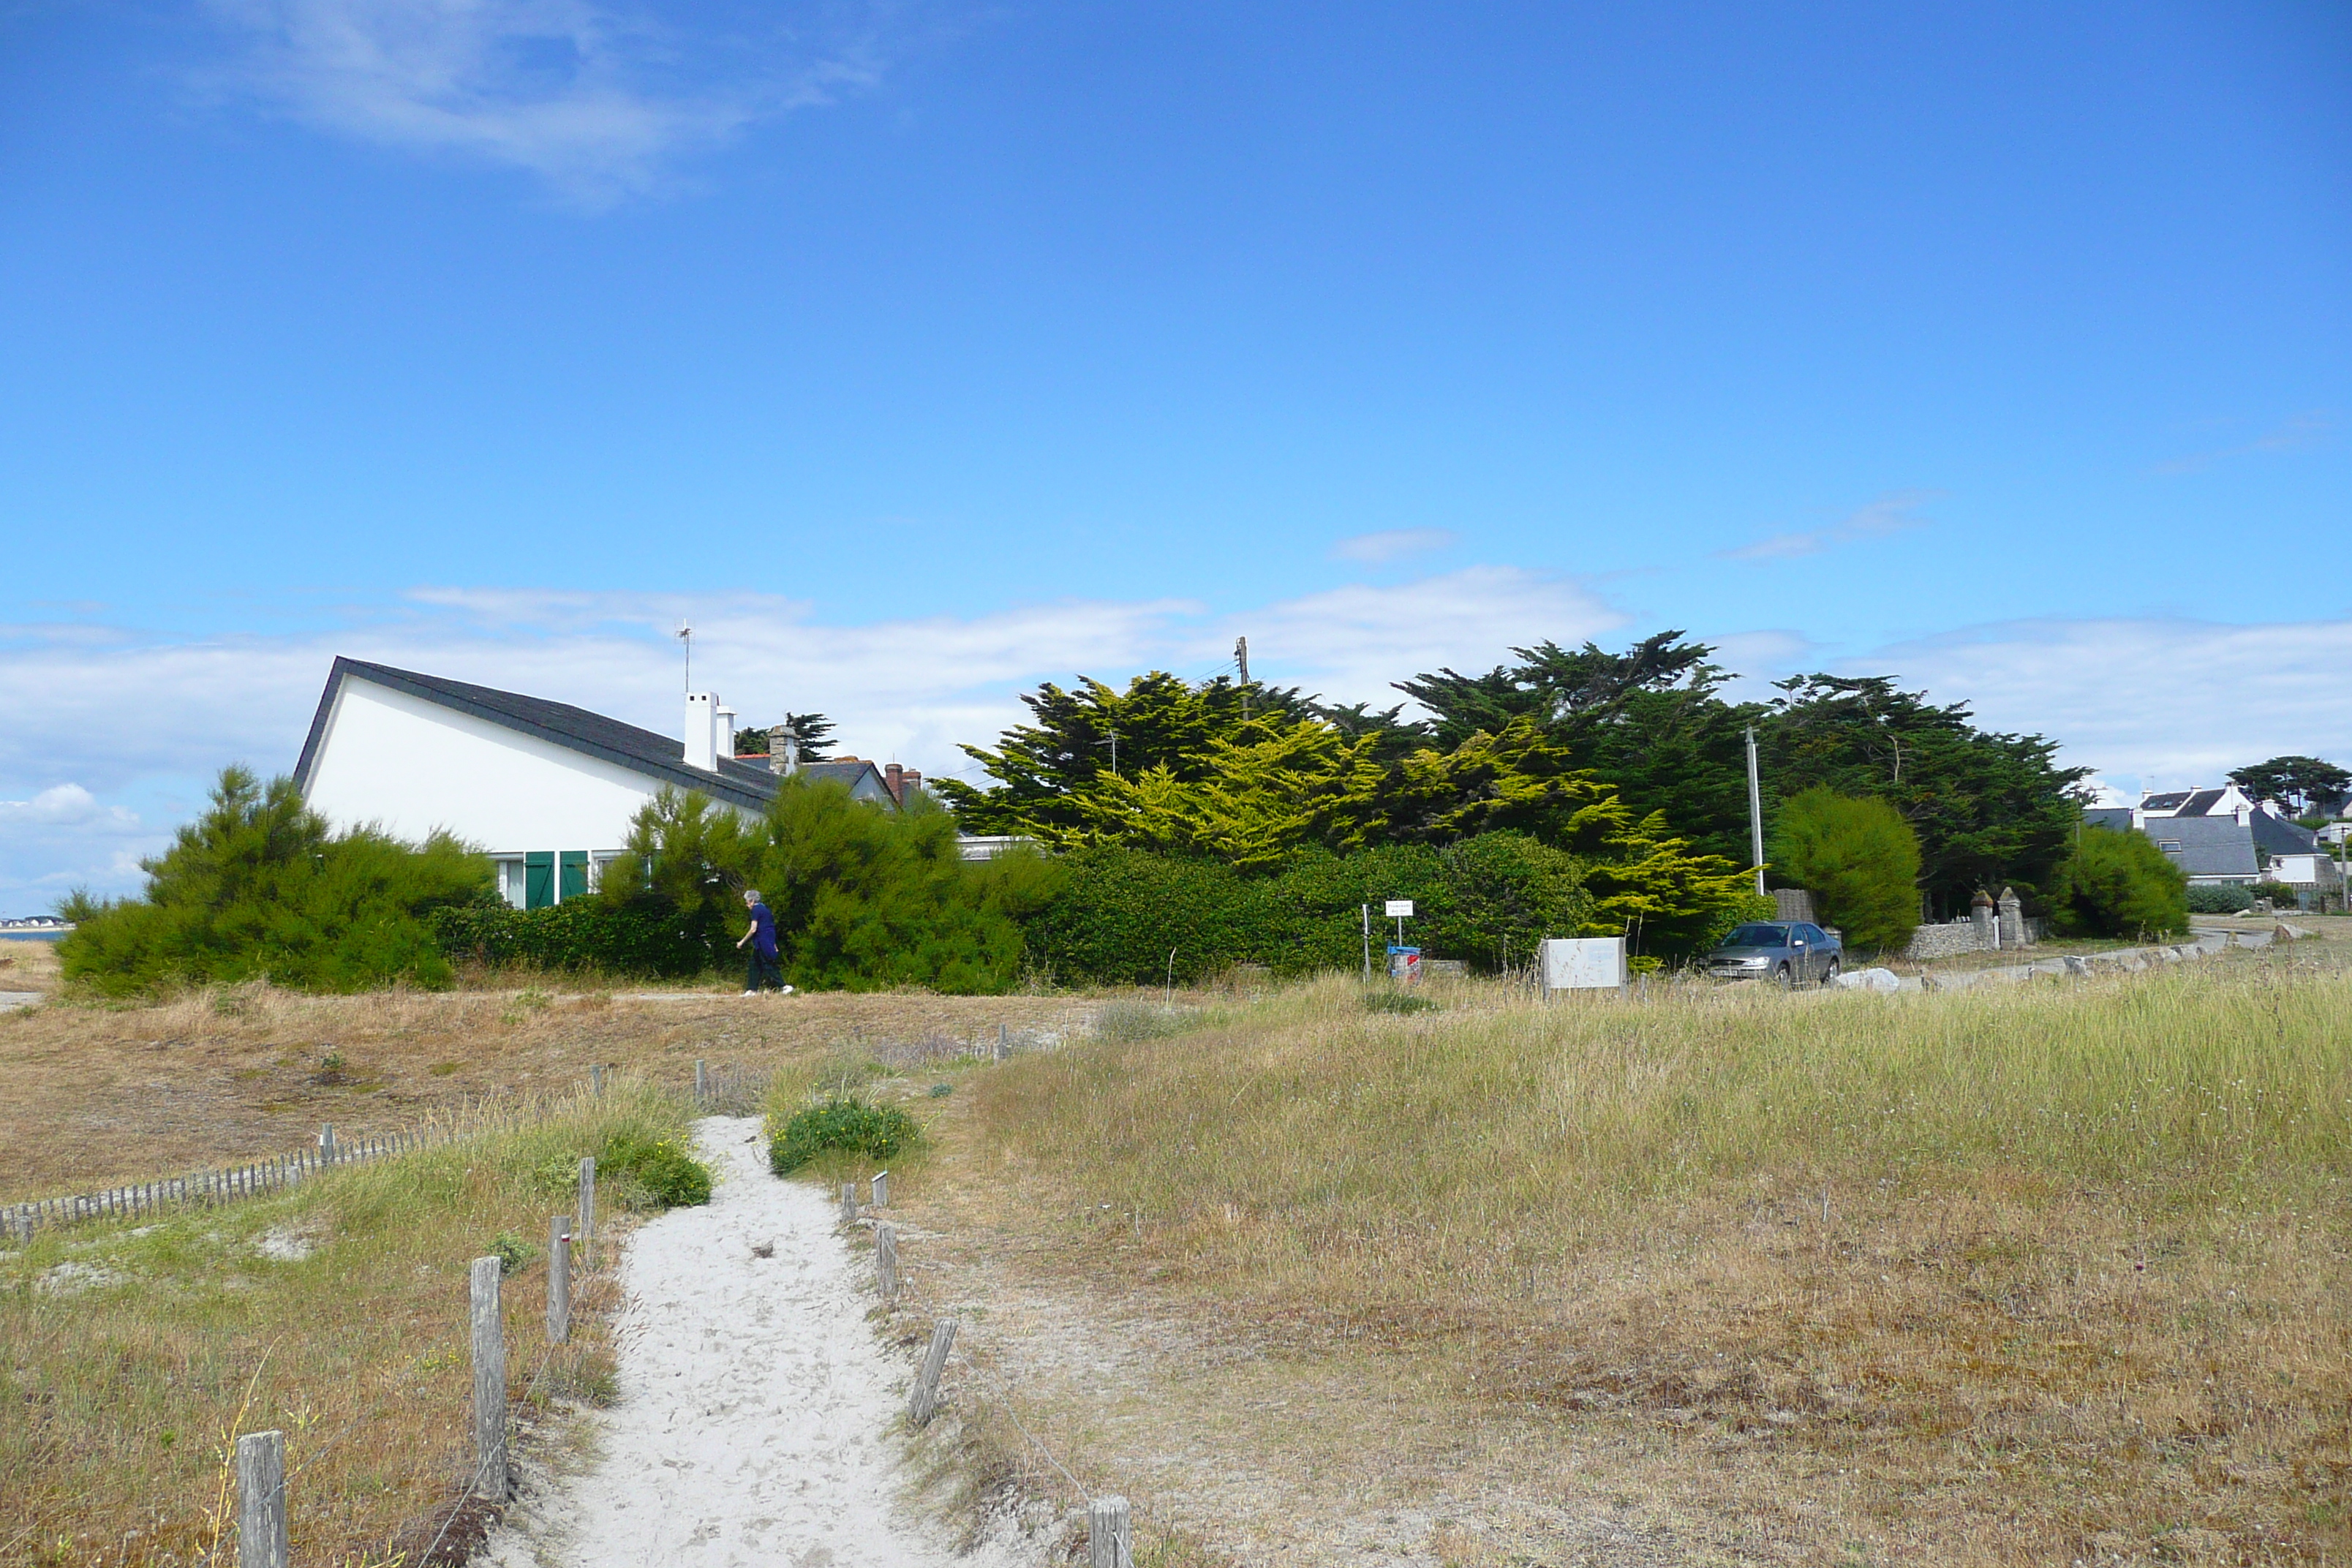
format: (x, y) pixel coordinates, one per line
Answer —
(764, 972)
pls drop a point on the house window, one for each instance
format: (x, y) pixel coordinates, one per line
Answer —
(2169, 846)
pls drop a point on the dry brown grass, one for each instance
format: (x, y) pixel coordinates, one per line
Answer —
(29, 964)
(94, 1094)
(1507, 1285)
(135, 1355)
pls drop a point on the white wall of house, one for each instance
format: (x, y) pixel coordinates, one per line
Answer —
(411, 767)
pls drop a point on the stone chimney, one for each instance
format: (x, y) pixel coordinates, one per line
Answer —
(896, 777)
(702, 731)
(783, 750)
(911, 785)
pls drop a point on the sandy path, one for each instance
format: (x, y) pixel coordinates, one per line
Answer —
(756, 1405)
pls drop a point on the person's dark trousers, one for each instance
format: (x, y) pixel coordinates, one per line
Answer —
(766, 973)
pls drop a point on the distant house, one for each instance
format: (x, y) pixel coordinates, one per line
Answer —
(2214, 836)
(547, 788)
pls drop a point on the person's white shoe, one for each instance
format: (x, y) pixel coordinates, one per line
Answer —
(785, 992)
(751, 993)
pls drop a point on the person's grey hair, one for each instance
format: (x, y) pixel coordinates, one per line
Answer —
(750, 895)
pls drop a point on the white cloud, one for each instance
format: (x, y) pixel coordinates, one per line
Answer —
(2152, 702)
(68, 806)
(1391, 544)
(1351, 642)
(1889, 514)
(596, 99)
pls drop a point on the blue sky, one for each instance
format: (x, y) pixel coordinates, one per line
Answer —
(917, 352)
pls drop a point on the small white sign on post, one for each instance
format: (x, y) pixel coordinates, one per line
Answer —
(1582, 964)
(1400, 909)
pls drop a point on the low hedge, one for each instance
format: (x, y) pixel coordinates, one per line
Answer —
(642, 937)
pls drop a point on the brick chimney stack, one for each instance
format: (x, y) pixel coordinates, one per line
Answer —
(897, 778)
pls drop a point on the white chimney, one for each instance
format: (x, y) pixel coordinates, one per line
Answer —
(702, 731)
(725, 732)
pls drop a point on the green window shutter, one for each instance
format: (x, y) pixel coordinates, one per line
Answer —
(575, 873)
(539, 878)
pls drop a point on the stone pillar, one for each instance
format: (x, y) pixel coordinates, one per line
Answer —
(2012, 918)
(1981, 916)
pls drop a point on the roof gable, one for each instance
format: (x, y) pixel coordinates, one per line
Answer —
(655, 756)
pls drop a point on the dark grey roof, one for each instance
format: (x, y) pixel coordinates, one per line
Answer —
(2116, 816)
(2201, 802)
(2208, 845)
(2282, 837)
(2164, 801)
(660, 757)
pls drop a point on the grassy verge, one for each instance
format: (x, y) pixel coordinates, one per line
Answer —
(336, 1312)
(2010, 1276)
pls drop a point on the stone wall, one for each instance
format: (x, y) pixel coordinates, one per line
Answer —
(1956, 937)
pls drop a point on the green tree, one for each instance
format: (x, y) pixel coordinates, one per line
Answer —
(258, 887)
(1860, 859)
(2119, 884)
(2306, 784)
(815, 729)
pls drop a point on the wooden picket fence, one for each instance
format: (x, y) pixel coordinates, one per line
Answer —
(202, 1189)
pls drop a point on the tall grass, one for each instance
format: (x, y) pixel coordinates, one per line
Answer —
(336, 1311)
(2085, 1241)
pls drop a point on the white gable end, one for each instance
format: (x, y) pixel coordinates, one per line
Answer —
(410, 765)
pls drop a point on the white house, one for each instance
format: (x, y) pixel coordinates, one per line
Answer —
(547, 788)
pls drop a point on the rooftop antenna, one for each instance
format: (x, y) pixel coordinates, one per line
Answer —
(686, 636)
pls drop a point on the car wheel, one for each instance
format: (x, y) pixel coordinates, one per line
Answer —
(1788, 981)
(1828, 975)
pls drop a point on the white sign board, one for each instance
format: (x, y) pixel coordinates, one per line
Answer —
(1583, 964)
(1400, 909)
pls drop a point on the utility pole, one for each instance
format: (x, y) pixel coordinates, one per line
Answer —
(1240, 656)
(1113, 745)
(1755, 810)
(1368, 944)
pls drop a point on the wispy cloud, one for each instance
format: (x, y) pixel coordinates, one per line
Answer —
(2298, 432)
(597, 99)
(1890, 514)
(2148, 700)
(1391, 544)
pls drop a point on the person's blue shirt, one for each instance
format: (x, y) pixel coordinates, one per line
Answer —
(763, 927)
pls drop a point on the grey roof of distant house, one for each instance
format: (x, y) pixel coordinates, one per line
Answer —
(2116, 816)
(655, 756)
(2209, 846)
(2200, 803)
(2165, 801)
(2281, 837)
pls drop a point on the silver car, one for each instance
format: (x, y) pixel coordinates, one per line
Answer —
(1793, 952)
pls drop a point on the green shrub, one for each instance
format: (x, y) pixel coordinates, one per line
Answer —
(513, 1253)
(257, 887)
(639, 936)
(2119, 884)
(865, 896)
(853, 1126)
(1859, 858)
(2219, 898)
(670, 1177)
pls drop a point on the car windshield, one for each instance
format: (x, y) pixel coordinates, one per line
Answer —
(1758, 936)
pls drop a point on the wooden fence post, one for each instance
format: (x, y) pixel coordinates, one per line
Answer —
(559, 1279)
(1004, 1043)
(881, 1189)
(327, 1144)
(596, 1078)
(262, 1499)
(701, 1081)
(1110, 1533)
(924, 1402)
(490, 1384)
(849, 1203)
(587, 1216)
(885, 1261)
